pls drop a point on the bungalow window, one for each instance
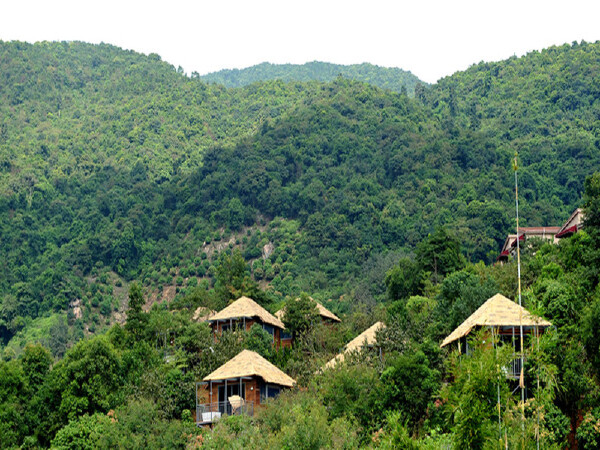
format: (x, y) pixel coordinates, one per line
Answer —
(286, 335)
(269, 329)
(230, 326)
(232, 389)
(268, 391)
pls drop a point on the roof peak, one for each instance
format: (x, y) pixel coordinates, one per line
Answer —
(497, 310)
(248, 363)
(323, 312)
(248, 308)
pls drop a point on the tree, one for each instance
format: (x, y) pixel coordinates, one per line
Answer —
(472, 398)
(36, 361)
(136, 318)
(404, 280)
(89, 379)
(408, 384)
(14, 393)
(301, 314)
(260, 341)
(233, 279)
(58, 337)
(592, 204)
(461, 294)
(591, 332)
(439, 254)
(353, 390)
(83, 433)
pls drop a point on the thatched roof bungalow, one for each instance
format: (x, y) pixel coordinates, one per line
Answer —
(245, 381)
(501, 313)
(505, 318)
(242, 314)
(367, 338)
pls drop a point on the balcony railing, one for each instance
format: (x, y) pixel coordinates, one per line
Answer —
(207, 413)
(513, 369)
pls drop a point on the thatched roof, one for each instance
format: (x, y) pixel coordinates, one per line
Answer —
(202, 314)
(247, 364)
(497, 311)
(323, 312)
(248, 308)
(366, 338)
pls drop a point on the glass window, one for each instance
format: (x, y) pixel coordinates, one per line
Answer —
(232, 389)
(269, 391)
(269, 329)
(231, 326)
(272, 391)
(286, 335)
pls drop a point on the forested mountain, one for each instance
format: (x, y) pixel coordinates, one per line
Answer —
(115, 166)
(121, 177)
(394, 79)
(71, 108)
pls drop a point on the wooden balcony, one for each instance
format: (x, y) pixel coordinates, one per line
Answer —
(208, 413)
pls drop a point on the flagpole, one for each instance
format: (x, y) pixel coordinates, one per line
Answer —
(521, 375)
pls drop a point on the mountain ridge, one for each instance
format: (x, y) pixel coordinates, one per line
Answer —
(392, 78)
(115, 161)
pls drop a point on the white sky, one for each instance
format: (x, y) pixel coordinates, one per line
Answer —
(430, 38)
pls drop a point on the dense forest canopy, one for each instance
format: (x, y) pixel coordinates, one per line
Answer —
(117, 159)
(122, 178)
(394, 79)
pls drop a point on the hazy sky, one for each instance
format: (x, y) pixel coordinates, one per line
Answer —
(430, 38)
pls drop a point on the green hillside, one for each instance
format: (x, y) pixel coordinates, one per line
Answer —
(73, 108)
(113, 161)
(394, 79)
(121, 178)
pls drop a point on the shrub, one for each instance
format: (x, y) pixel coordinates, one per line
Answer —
(588, 433)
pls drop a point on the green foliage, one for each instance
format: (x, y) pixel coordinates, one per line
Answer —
(591, 331)
(461, 293)
(114, 162)
(353, 390)
(13, 393)
(408, 385)
(83, 433)
(301, 315)
(396, 434)
(592, 202)
(36, 361)
(471, 400)
(89, 379)
(136, 318)
(300, 420)
(116, 167)
(132, 426)
(588, 433)
(232, 279)
(439, 254)
(394, 79)
(559, 302)
(404, 280)
(557, 426)
(259, 341)
(235, 432)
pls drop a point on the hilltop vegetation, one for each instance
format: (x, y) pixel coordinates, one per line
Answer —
(393, 79)
(115, 166)
(133, 386)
